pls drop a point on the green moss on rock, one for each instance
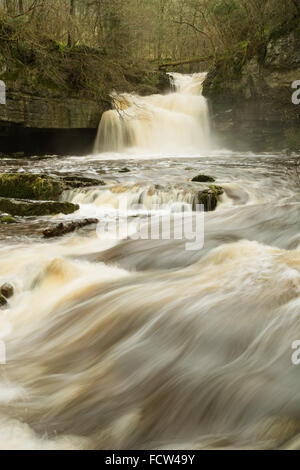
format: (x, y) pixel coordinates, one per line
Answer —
(203, 179)
(29, 186)
(7, 219)
(40, 187)
(16, 207)
(208, 198)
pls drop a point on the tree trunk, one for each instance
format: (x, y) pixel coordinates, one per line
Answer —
(72, 14)
(21, 7)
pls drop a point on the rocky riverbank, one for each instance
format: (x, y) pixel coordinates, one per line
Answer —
(250, 94)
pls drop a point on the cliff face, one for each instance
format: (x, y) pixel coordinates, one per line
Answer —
(252, 108)
(55, 95)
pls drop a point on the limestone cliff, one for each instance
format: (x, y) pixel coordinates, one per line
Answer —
(55, 95)
(251, 100)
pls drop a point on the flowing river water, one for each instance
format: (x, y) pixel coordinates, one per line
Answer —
(139, 344)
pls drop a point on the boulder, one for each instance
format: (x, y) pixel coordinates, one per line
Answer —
(7, 290)
(7, 219)
(41, 187)
(203, 179)
(208, 198)
(17, 207)
(29, 186)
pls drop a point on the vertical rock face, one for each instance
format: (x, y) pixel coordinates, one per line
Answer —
(254, 108)
(58, 110)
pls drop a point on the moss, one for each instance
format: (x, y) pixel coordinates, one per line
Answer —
(7, 219)
(217, 189)
(21, 208)
(203, 179)
(208, 198)
(29, 186)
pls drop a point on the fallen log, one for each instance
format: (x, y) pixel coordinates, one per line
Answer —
(185, 62)
(64, 228)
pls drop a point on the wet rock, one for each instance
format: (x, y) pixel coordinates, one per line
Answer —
(75, 182)
(29, 186)
(203, 179)
(7, 290)
(41, 187)
(7, 219)
(217, 189)
(208, 198)
(15, 155)
(3, 301)
(17, 207)
(65, 228)
(124, 170)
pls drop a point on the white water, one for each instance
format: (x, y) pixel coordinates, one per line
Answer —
(175, 122)
(141, 344)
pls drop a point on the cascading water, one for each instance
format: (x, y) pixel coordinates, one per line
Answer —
(133, 343)
(175, 122)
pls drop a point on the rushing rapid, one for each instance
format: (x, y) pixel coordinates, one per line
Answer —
(139, 344)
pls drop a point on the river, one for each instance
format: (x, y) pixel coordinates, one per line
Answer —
(142, 344)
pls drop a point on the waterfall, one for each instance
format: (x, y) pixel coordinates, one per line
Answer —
(174, 122)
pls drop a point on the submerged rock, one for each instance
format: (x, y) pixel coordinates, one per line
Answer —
(203, 179)
(17, 207)
(3, 301)
(7, 290)
(62, 229)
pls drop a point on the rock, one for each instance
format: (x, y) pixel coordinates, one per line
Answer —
(74, 182)
(208, 198)
(251, 102)
(124, 170)
(62, 229)
(203, 179)
(7, 290)
(217, 189)
(17, 207)
(29, 186)
(3, 301)
(16, 155)
(7, 219)
(41, 187)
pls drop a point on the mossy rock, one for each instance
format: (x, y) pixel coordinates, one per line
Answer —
(16, 207)
(74, 182)
(3, 301)
(7, 219)
(208, 198)
(217, 189)
(29, 186)
(40, 187)
(203, 179)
